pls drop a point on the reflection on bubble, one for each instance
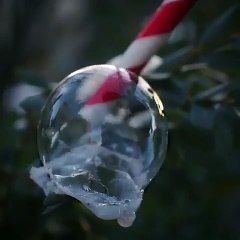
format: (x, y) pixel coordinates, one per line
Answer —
(102, 138)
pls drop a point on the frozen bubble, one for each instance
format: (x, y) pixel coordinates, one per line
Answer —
(93, 145)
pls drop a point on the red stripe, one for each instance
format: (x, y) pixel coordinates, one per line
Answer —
(136, 69)
(111, 89)
(166, 18)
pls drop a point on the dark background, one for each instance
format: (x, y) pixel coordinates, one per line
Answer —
(196, 195)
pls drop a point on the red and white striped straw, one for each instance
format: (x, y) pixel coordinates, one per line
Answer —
(153, 35)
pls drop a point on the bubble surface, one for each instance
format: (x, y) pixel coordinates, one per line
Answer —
(102, 137)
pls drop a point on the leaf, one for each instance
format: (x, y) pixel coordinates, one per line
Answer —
(33, 103)
(176, 60)
(174, 92)
(201, 117)
(222, 27)
(224, 131)
(227, 61)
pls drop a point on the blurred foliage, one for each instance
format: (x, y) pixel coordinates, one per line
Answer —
(197, 192)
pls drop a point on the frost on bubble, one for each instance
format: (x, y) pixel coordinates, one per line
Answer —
(101, 146)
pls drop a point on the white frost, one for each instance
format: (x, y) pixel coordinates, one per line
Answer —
(106, 183)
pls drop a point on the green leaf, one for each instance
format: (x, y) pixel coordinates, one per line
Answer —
(222, 27)
(201, 117)
(33, 103)
(176, 60)
(227, 61)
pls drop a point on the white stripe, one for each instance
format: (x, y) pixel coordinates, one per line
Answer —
(169, 1)
(141, 50)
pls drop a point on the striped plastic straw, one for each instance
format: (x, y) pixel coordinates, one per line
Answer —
(154, 34)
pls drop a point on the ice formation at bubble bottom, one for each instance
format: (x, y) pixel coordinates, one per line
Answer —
(102, 137)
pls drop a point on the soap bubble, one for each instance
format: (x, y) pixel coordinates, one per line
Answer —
(102, 138)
